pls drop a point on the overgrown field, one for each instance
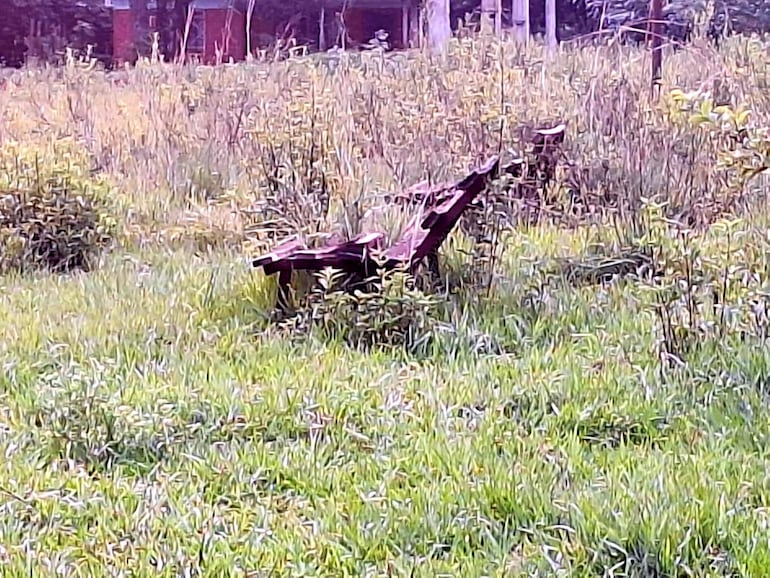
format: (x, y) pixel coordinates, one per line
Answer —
(531, 417)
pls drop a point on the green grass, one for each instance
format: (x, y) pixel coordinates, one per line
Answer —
(152, 424)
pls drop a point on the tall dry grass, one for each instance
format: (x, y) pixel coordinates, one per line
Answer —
(194, 150)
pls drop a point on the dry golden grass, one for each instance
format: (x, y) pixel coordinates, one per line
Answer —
(199, 144)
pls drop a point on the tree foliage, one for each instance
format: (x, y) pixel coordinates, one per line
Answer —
(83, 22)
(88, 22)
(739, 16)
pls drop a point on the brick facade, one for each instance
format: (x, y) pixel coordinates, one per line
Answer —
(122, 36)
(224, 29)
(225, 34)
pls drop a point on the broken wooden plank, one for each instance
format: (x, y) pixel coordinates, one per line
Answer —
(427, 232)
(293, 255)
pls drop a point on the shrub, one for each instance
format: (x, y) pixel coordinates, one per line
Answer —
(712, 288)
(746, 147)
(391, 313)
(53, 212)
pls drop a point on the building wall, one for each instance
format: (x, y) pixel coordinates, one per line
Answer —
(226, 31)
(230, 39)
(262, 31)
(122, 36)
(362, 23)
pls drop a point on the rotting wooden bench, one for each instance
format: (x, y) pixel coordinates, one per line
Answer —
(438, 214)
(440, 208)
(532, 172)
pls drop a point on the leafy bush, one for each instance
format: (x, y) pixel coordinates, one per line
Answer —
(53, 212)
(391, 312)
(744, 155)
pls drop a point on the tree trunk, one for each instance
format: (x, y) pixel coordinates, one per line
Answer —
(491, 16)
(656, 30)
(439, 27)
(550, 24)
(322, 29)
(415, 27)
(520, 10)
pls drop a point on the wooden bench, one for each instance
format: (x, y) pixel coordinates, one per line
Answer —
(362, 255)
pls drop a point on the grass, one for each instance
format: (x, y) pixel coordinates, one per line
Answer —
(154, 423)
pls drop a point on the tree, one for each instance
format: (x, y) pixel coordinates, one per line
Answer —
(439, 26)
(81, 23)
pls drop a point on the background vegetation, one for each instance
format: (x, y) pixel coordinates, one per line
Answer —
(524, 420)
(86, 25)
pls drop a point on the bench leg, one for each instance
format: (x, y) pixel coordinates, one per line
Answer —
(284, 290)
(434, 270)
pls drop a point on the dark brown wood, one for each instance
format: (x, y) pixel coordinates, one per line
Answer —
(293, 255)
(427, 232)
(547, 144)
(438, 210)
(360, 257)
(434, 269)
(283, 295)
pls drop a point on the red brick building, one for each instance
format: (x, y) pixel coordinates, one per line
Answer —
(361, 19)
(217, 30)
